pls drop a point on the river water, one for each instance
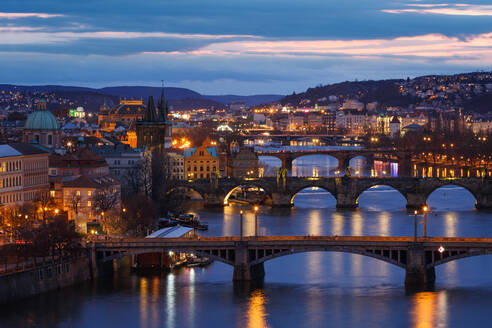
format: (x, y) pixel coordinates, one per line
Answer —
(302, 290)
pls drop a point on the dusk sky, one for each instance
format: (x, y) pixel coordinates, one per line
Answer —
(239, 46)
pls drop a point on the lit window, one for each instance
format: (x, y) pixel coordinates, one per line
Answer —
(89, 193)
(78, 192)
(52, 193)
(89, 204)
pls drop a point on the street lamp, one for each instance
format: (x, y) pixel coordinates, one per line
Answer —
(415, 226)
(425, 209)
(241, 225)
(256, 208)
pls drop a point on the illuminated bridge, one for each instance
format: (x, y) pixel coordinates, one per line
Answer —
(418, 257)
(280, 192)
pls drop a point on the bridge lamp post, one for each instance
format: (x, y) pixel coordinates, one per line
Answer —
(425, 209)
(256, 208)
(415, 226)
(241, 225)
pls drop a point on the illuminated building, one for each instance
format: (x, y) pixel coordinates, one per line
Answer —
(202, 161)
(154, 130)
(126, 112)
(23, 173)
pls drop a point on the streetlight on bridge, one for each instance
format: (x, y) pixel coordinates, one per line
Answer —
(241, 225)
(256, 208)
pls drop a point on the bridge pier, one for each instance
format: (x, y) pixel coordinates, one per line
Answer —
(416, 201)
(346, 201)
(243, 271)
(417, 274)
(213, 200)
(281, 199)
(484, 202)
(287, 163)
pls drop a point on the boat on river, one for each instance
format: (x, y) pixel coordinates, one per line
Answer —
(190, 220)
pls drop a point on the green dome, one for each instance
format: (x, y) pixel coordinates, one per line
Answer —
(41, 120)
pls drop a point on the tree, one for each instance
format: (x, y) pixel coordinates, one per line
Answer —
(105, 200)
(74, 201)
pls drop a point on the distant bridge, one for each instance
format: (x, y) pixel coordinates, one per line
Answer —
(345, 190)
(343, 156)
(417, 257)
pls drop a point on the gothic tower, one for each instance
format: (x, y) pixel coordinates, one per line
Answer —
(154, 131)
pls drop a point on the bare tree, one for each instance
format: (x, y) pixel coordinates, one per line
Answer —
(75, 202)
(105, 200)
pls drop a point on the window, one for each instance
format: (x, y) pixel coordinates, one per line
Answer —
(89, 203)
(89, 193)
(50, 139)
(78, 192)
(201, 168)
(52, 193)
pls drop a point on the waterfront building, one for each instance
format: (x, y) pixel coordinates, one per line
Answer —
(243, 164)
(175, 165)
(200, 162)
(42, 128)
(23, 173)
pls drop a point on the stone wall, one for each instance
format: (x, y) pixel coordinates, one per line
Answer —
(31, 282)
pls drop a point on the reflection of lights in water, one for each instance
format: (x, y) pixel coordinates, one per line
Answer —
(256, 310)
(154, 306)
(144, 302)
(430, 310)
(314, 225)
(230, 217)
(357, 223)
(170, 300)
(337, 224)
(450, 221)
(384, 220)
(192, 295)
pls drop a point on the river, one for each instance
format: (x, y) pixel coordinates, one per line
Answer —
(302, 290)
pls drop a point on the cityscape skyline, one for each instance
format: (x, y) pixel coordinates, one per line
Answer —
(241, 48)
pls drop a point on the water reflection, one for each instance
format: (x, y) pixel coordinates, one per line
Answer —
(430, 309)
(170, 300)
(256, 314)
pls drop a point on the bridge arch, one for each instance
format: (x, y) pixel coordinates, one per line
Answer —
(450, 256)
(176, 187)
(376, 184)
(396, 260)
(318, 165)
(332, 194)
(402, 197)
(264, 189)
(201, 253)
(442, 186)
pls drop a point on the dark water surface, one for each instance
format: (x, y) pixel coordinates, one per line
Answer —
(302, 290)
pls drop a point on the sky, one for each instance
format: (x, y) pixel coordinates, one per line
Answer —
(239, 46)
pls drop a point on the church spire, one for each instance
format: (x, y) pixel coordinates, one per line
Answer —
(163, 108)
(150, 113)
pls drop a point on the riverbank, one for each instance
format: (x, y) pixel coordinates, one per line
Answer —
(44, 278)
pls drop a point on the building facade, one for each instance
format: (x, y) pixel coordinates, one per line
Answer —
(23, 173)
(42, 128)
(202, 161)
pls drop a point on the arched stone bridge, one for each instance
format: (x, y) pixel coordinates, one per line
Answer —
(417, 257)
(343, 156)
(345, 190)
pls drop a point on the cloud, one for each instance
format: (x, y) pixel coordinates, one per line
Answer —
(423, 46)
(27, 35)
(445, 9)
(4, 15)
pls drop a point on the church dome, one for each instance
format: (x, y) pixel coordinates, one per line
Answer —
(41, 120)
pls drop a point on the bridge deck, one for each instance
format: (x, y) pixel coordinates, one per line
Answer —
(294, 240)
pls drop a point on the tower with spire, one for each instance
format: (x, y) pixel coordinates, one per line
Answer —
(154, 130)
